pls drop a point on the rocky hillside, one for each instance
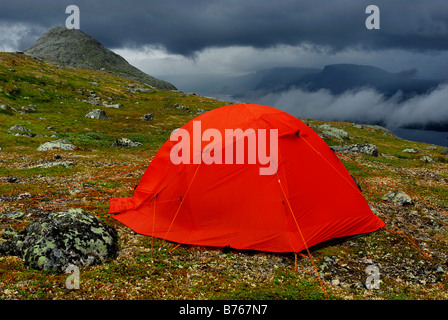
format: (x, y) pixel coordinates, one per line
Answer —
(73, 138)
(76, 49)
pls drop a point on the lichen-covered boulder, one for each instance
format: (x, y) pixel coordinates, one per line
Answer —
(369, 149)
(398, 197)
(125, 142)
(68, 237)
(97, 114)
(328, 130)
(58, 144)
(426, 159)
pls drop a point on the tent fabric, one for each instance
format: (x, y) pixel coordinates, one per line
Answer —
(310, 199)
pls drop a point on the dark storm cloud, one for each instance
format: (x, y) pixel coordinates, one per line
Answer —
(187, 26)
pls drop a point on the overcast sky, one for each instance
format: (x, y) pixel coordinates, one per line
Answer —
(239, 36)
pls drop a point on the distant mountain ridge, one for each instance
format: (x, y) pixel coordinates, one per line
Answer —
(336, 78)
(76, 49)
(339, 78)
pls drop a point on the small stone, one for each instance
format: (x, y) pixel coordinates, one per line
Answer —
(18, 127)
(5, 109)
(398, 197)
(181, 107)
(29, 109)
(25, 195)
(410, 150)
(335, 282)
(328, 130)
(148, 117)
(96, 114)
(58, 144)
(64, 164)
(374, 210)
(368, 149)
(11, 179)
(440, 270)
(426, 159)
(125, 142)
(115, 105)
(8, 233)
(13, 215)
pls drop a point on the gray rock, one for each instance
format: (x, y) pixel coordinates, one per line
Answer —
(115, 106)
(13, 215)
(374, 210)
(29, 109)
(68, 237)
(369, 149)
(148, 117)
(5, 109)
(93, 102)
(58, 144)
(335, 282)
(143, 90)
(410, 150)
(18, 127)
(125, 142)
(64, 164)
(25, 195)
(8, 233)
(96, 114)
(181, 107)
(444, 152)
(26, 134)
(11, 179)
(440, 270)
(328, 130)
(427, 159)
(398, 197)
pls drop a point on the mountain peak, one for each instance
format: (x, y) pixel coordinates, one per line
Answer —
(76, 49)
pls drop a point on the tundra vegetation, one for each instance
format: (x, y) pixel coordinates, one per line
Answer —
(92, 159)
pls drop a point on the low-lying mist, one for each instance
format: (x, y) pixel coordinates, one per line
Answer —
(364, 106)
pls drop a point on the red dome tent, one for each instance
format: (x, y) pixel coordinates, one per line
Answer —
(304, 197)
